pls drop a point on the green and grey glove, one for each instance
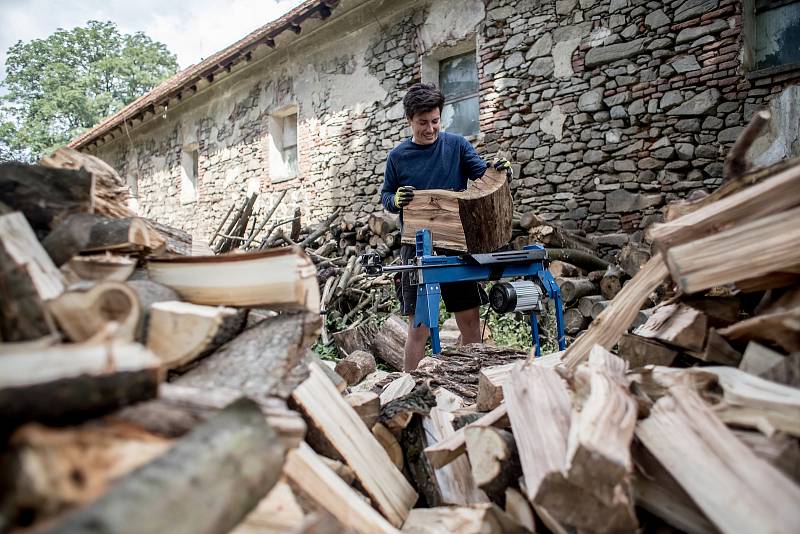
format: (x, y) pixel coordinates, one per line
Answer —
(503, 164)
(403, 196)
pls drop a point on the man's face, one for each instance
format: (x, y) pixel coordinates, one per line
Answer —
(425, 127)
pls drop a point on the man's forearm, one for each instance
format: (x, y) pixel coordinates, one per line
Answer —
(387, 199)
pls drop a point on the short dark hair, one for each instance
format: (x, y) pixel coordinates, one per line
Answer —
(422, 98)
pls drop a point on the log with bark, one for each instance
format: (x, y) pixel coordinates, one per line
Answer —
(493, 459)
(475, 519)
(28, 278)
(172, 492)
(475, 220)
(45, 196)
(74, 382)
(262, 360)
(390, 342)
(355, 366)
(574, 288)
(101, 267)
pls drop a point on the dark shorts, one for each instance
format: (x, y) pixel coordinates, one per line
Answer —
(457, 296)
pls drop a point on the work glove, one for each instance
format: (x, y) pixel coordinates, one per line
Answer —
(403, 196)
(502, 164)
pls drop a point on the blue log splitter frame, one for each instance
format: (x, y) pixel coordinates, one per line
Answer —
(431, 271)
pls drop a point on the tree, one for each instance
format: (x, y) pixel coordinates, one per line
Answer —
(62, 85)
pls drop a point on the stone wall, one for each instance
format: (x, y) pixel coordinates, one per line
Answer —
(610, 109)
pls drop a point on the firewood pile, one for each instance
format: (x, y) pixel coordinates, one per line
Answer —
(145, 391)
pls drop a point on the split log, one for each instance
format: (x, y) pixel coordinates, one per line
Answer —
(778, 193)
(603, 419)
(390, 444)
(101, 267)
(720, 311)
(181, 332)
(780, 328)
(574, 321)
(385, 485)
(45, 196)
(307, 471)
(607, 328)
(262, 360)
(476, 220)
(179, 409)
(683, 433)
(277, 512)
(717, 350)
(283, 278)
(172, 492)
(539, 410)
(367, 405)
(491, 380)
(327, 367)
(660, 494)
(355, 366)
(760, 361)
(780, 450)
(390, 342)
(72, 382)
(148, 293)
(493, 459)
(454, 482)
(86, 309)
(55, 469)
(518, 507)
(476, 519)
(770, 243)
(447, 401)
(611, 283)
(450, 448)
(639, 351)
(574, 288)
(28, 277)
(397, 388)
(677, 325)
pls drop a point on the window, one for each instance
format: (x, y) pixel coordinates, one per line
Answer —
(283, 150)
(189, 172)
(772, 35)
(458, 80)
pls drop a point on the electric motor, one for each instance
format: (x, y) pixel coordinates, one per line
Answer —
(522, 296)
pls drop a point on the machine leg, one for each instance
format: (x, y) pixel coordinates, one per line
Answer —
(535, 334)
(562, 341)
(427, 312)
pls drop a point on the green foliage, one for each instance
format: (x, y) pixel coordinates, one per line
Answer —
(61, 85)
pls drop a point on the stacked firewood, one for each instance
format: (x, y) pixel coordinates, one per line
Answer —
(681, 397)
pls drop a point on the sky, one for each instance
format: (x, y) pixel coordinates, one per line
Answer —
(192, 29)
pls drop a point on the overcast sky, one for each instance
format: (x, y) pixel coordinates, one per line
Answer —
(192, 29)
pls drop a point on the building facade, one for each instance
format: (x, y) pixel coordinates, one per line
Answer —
(610, 109)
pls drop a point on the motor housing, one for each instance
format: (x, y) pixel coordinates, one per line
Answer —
(521, 296)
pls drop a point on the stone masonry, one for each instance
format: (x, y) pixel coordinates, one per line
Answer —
(610, 109)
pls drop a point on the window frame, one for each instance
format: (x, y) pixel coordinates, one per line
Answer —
(190, 170)
(430, 71)
(278, 168)
(751, 9)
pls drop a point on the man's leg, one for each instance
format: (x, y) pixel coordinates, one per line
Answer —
(415, 345)
(469, 324)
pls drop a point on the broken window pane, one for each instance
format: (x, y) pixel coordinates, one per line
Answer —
(777, 33)
(461, 117)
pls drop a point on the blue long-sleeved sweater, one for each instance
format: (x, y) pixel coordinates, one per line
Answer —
(447, 163)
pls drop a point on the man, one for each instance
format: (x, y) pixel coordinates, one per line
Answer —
(431, 159)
